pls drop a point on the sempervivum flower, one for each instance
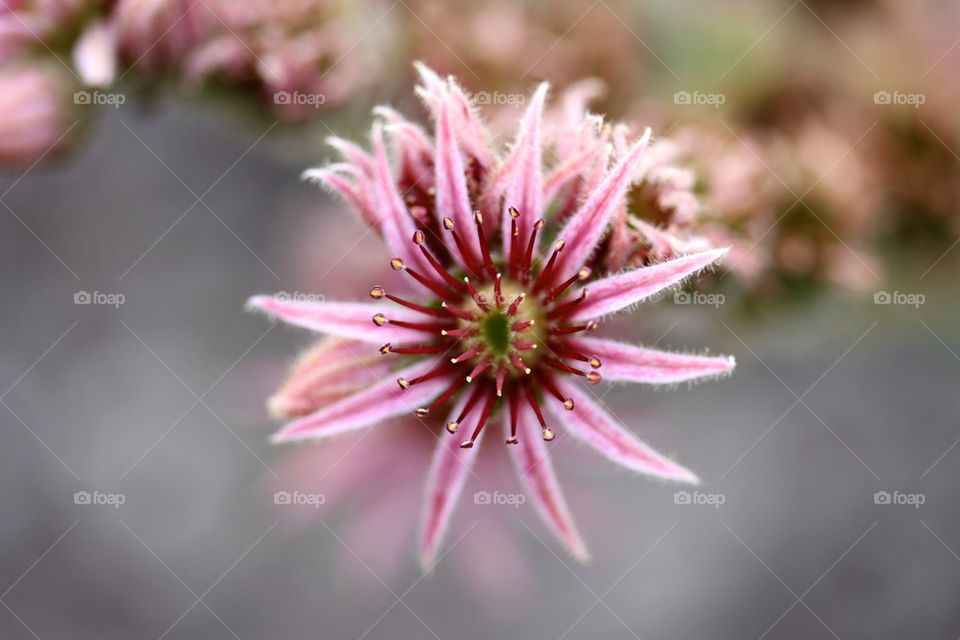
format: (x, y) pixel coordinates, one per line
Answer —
(503, 296)
(697, 189)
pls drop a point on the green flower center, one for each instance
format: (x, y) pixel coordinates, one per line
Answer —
(495, 332)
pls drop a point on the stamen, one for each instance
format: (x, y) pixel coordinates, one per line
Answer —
(478, 298)
(518, 362)
(459, 333)
(514, 239)
(548, 433)
(415, 350)
(522, 345)
(477, 370)
(484, 249)
(567, 307)
(452, 389)
(460, 313)
(582, 274)
(512, 311)
(438, 288)
(418, 326)
(472, 352)
(528, 257)
(522, 325)
(497, 292)
(471, 401)
(501, 378)
(484, 416)
(418, 239)
(377, 293)
(429, 375)
(468, 257)
(594, 361)
(544, 276)
(514, 408)
(551, 386)
(563, 331)
(593, 377)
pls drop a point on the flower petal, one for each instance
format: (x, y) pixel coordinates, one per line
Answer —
(590, 423)
(445, 481)
(535, 471)
(632, 363)
(588, 225)
(356, 195)
(525, 187)
(398, 226)
(451, 186)
(624, 289)
(376, 403)
(328, 371)
(344, 319)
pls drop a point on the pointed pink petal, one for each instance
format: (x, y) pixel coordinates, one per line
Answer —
(621, 361)
(525, 188)
(587, 227)
(624, 289)
(590, 423)
(331, 178)
(372, 405)
(448, 473)
(95, 54)
(330, 370)
(414, 145)
(570, 168)
(532, 463)
(452, 198)
(344, 319)
(352, 153)
(398, 226)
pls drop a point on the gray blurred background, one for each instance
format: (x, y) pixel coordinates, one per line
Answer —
(160, 401)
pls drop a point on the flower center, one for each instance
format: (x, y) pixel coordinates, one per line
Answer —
(495, 332)
(498, 332)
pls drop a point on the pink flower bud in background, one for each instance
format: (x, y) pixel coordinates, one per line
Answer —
(35, 118)
(95, 54)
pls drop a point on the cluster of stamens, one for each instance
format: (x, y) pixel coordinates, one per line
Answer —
(502, 333)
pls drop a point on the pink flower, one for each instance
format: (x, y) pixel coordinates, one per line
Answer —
(503, 293)
(35, 113)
